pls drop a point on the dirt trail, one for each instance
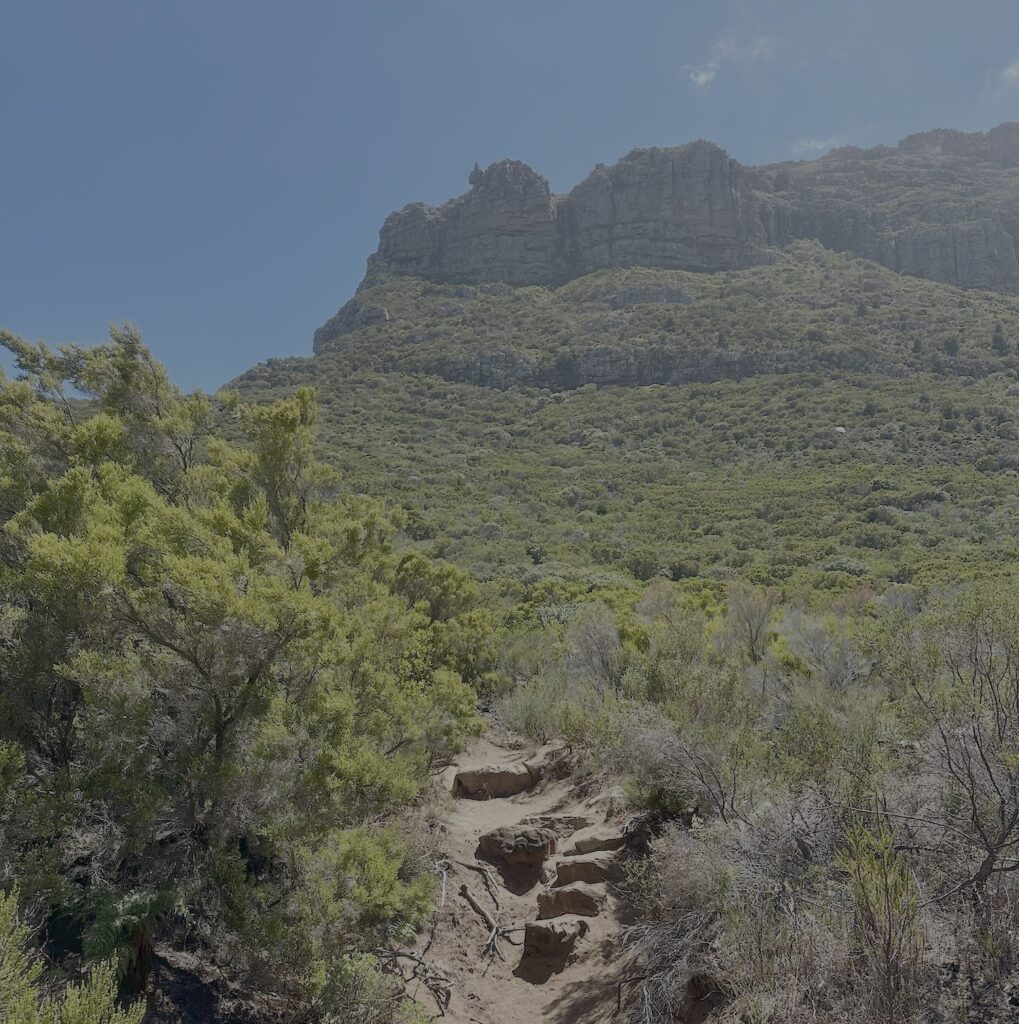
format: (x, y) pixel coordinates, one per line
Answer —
(542, 979)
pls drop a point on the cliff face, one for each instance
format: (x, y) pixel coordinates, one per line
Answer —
(942, 205)
(686, 208)
(503, 229)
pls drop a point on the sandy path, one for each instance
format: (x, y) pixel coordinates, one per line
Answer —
(490, 991)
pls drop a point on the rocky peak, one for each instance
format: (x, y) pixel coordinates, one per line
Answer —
(509, 180)
(942, 204)
(1000, 145)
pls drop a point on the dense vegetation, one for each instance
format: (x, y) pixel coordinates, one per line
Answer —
(774, 593)
(219, 686)
(899, 464)
(842, 787)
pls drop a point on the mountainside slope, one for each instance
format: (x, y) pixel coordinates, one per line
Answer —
(824, 421)
(672, 370)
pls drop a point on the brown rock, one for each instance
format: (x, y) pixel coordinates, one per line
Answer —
(554, 939)
(579, 899)
(562, 824)
(518, 845)
(492, 781)
(597, 842)
(595, 867)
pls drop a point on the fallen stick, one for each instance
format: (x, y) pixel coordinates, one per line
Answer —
(486, 876)
(435, 980)
(495, 930)
(619, 990)
(442, 867)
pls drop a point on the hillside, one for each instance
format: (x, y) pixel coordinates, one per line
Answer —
(599, 625)
(818, 419)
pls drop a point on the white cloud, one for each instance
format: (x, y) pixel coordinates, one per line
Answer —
(730, 51)
(812, 146)
(1008, 77)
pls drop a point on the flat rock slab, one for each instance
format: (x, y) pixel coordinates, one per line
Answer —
(580, 899)
(562, 824)
(553, 939)
(597, 842)
(516, 844)
(493, 781)
(594, 867)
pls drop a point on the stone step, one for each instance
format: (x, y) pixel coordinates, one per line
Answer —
(492, 781)
(593, 867)
(596, 842)
(579, 899)
(562, 824)
(554, 939)
(518, 844)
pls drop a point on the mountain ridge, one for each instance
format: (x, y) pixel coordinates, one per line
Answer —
(940, 205)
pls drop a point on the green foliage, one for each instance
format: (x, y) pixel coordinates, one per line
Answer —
(222, 680)
(746, 468)
(886, 906)
(92, 1002)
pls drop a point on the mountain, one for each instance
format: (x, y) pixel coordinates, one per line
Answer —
(940, 205)
(789, 410)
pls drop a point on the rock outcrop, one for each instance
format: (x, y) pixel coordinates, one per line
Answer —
(553, 938)
(691, 207)
(493, 781)
(579, 900)
(942, 205)
(595, 867)
(518, 844)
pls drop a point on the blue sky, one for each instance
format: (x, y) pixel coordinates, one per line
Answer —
(217, 170)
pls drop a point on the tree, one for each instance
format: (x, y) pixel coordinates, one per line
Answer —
(998, 342)
(218, 680)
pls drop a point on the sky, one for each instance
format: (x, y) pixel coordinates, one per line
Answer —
(216, 171)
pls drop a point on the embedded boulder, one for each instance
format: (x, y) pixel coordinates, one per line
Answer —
(595, 867)
(553, 939)
(561, 824)
(597, 842)
(492, 781)
(516, 845)
(580, 899)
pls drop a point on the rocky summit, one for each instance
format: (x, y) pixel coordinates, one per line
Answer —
(939, 205)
